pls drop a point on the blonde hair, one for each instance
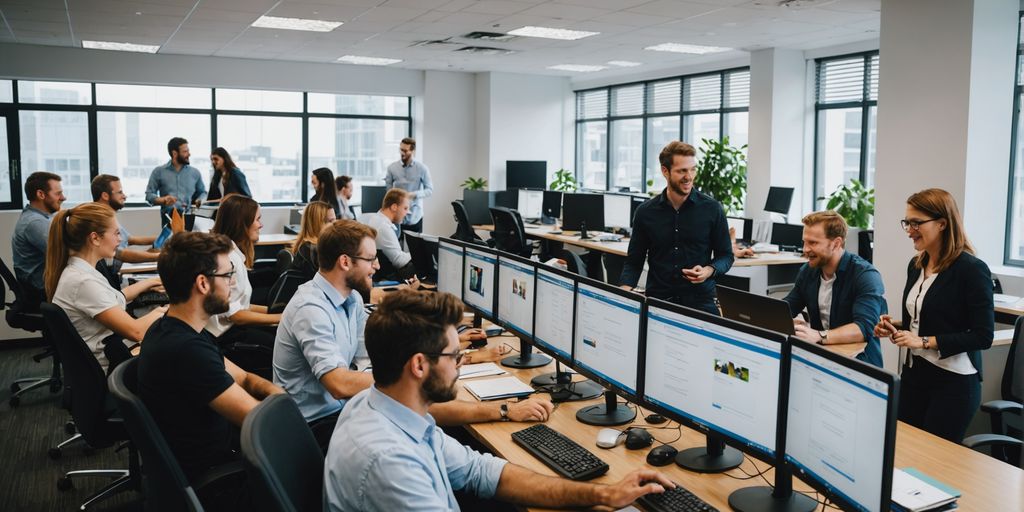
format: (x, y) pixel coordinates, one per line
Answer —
(939, 204)
(833, 223)
(69, 231)
(392, 197)
(314, 218)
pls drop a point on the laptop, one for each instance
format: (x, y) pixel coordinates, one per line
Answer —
(757, 310)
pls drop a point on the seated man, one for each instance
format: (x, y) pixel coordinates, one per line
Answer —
(28, 244)
(843, 293)
(106, 189)
(386, 221)
(193, 392)
(386, 452)
(318, 340)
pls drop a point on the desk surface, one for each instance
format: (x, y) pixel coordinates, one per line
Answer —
(276, 239)
(987, 483)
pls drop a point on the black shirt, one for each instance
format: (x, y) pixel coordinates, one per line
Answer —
(671, 240)
(305, 261)
(180, 372)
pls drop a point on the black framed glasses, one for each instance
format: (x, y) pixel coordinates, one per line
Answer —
(227, 275)
(458, 355)
(914, 225)
(369, 260)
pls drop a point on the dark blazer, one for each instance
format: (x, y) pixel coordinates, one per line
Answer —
(958, 309)
(236, 184)
(305, 261)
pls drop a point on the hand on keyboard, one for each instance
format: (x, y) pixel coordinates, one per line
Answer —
(636, 484)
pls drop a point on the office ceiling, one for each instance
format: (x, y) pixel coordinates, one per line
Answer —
(398, 29)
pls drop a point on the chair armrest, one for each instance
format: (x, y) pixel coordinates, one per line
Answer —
(1002, 406)
(977, 441)
(217, 474)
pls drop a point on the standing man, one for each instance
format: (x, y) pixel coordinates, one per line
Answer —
(107, 189)
(176, 184)
(683, 235)
(28, 244)
(412, 176)
(842, 292)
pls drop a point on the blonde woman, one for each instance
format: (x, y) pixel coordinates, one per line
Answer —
(304, 257)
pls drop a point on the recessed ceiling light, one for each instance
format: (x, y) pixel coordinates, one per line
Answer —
(552, 33)
(123, 47)
(367, 61)
(296, 24)
(578, 68)
(624, 63)
(695, 49)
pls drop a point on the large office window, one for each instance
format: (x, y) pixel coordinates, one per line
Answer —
(360, 148)
(621, 129)
(1014, 251)
(846, 105)
(269, 151)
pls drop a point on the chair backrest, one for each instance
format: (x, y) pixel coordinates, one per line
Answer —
(1012, 386)
(284, 260)
(23, 313)
(424, 254)
(572, 260)
(613, 264)
(463, 230)
(282, 458)
(866, 244)
(166, 487)
(508, 234)
(387, 270)
(283, 290)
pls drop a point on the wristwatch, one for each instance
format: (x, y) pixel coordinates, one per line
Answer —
(924, 342)
(824, 337)
(504, 412)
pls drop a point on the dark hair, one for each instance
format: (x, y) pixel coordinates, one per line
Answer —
(39, 180)
(407, 323)
(672, 149)
(69, 231)
(393, 196)
(235, 215)
(342, 181)
(229, 164)
(187, 255)
(101, 184)
(341, 237)
(328, 192)
(411, 142)
(175, 144)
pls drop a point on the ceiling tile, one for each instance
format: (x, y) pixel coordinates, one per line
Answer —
(561, 12)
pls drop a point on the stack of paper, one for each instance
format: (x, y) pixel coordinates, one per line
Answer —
(471, 371)
(913, 491)
(497, 389)
(1003, 298)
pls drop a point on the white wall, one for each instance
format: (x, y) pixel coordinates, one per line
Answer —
(448, 143)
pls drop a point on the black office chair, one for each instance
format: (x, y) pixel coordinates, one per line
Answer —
(866, 244)
(95, 415)
(24, 314)
(1006, 441)
(389, 272)
(613, 264)
(282, 458)
(424, 255)
(464, 230)
(572, 260)
(284, 260)
(283, 290)
(509, 235)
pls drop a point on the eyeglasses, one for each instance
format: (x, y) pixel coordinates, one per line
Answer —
(371, 260)
(913, 225)
(227, 275)
(458, 355)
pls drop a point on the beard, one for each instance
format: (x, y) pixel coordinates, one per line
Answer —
(435, 390)
(181, 160)
(361, 285)
(677, 187)
(214, 304)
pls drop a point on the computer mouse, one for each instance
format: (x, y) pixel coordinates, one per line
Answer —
(655, 419)
(662, 455)
(610, 438)
(637, 438)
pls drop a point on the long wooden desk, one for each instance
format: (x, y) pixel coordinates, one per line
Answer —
(269, 241)
(987, 484)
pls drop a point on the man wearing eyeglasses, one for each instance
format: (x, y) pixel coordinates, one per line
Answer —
(318, 352)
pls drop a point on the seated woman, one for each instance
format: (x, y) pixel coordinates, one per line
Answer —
(317, 215)
(78, 238)
(227, 178)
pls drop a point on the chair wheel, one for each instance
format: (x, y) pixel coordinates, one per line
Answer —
(65, 484)
(14, 401)
(54, 454)
(70, 428)
(15, 387)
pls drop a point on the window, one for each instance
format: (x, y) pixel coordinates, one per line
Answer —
(360, 148)
(63, 93)
(395, 106)
(1014, 251)
(261, 146)
(620, 130)
(846, 102)
(57, 142)
(5, 164)
(152, 96)
(6, 91)
(269, 101)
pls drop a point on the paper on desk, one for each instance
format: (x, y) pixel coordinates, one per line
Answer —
(471, 371)
(914, 494)
(495, 389)
(1004, 298)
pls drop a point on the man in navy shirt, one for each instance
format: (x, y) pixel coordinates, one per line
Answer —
(683, 235)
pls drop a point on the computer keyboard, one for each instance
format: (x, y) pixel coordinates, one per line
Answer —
(151, 299)
(673, 500)
(560, 453)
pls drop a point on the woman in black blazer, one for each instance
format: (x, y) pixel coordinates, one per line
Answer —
(227, 178)
(304, 256)
(948, 319)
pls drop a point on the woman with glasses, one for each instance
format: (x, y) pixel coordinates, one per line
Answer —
(948, 319)
(304, 258)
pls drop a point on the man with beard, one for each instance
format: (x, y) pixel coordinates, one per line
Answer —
(107, 189)
(683, 235)
(842, 292)
(175, 184)
(193, 392)
(28, 244)
(318, 354)
(412, 176)
(387, 453)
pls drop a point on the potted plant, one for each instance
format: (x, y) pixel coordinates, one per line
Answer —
(565, 181)
(722, 173)
(475, 184)
(855, 202)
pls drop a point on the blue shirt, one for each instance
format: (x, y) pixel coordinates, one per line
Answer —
(29, 246)
(414, 178)
(185, 184)
(320, 330)
(385, 457)
(858, 297)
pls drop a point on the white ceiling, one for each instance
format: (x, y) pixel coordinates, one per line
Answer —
(391, 28)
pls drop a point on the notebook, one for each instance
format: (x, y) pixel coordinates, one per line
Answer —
(497, 389)
(913, 491)
(471, 371)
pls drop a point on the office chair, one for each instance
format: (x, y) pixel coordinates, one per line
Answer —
(572, 260)
(509, 235)
(866, 244)
(23, 314)
(284, 260)
(389, 272)
(613, 264)
(423, 250)
(1007, 440)
(95, 417)
(464, 230)
(283, 290)
(282, 458)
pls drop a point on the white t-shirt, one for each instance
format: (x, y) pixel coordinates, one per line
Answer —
(959, 363)
(238, 299)
(82, 292)
(825, 300)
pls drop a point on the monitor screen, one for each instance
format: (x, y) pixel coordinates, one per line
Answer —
(552, 206)
(740, 225)
(788, 235)
(706, 371)
(616, 210)
(636, 202)
(530, 203)
(836, 428)
(526, 174)
(582, 208)
(779, 199)
(505, 199)
(478, 204)
(516, 289)
(372, 198)
(607, 339)
(555, 296)
(478, 283)
(449, 267)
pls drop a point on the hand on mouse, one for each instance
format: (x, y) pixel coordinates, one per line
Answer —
(532, 409)
(471, 335)
(635, 485)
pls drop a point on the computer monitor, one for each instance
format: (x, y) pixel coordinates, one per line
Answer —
(583, 212)
(551, 208)
(606, 347)
(526, 174)
(744, 228)
(617, 210)
(717, 376)
(779, 199)
(372, 198)
(516, 293)
(757, 310)
(530, 203)
(789, 237)
(479, 279)
(450, 255)
(504, 199)
(478, 204)
(841, 427)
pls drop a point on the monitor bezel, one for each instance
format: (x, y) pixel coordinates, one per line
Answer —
(462, 267)
(490, 316)
(543, 346)
(551, 193)
(777, 193)
(575, 227)
(508, 325)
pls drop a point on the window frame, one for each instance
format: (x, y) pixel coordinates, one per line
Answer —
(1015, 119)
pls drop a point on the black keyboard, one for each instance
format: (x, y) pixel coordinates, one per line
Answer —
(560, 453)
(150, 298)
(674, 500)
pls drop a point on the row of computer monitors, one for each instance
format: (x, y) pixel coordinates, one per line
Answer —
(711, 373)
(598, 211)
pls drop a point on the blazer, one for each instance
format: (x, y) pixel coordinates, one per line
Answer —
(957, 310)
(236, 184)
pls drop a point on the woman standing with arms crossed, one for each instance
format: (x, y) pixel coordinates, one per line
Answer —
(948, 319)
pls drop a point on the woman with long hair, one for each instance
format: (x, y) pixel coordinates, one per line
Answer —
(78, 239)
(304, 257)
(948, 319)
(325, 189)
(228, 179)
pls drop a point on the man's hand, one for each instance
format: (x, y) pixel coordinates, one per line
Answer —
(626, 287)
(804, 332)
(884, 328)
(167, 200)
(471, 335)
(698, 274)
(533, 409)
(635, 485)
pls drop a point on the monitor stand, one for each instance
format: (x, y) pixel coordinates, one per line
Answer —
(583, 230)
(607, 414)
(714, 457)
(478, 321)
(526, 358)
(563, 389)
(547, 220)
(766, 499)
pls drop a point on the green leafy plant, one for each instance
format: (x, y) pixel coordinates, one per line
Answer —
(855, 202)
(565, 181)
(722, 173)
(475, 184)
(650, 189)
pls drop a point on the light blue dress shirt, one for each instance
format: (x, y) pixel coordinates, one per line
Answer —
(385, 457)
(186, 185)
(28, 245)
(320, 330)
(414, 178)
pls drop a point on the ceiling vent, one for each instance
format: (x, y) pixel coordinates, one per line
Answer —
(793, 4)
(489, 36)
(484, 50)
(445, 44)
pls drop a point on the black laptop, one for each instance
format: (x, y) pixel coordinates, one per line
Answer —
(757, 310)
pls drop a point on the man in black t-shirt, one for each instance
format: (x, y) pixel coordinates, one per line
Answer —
(193, 392)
